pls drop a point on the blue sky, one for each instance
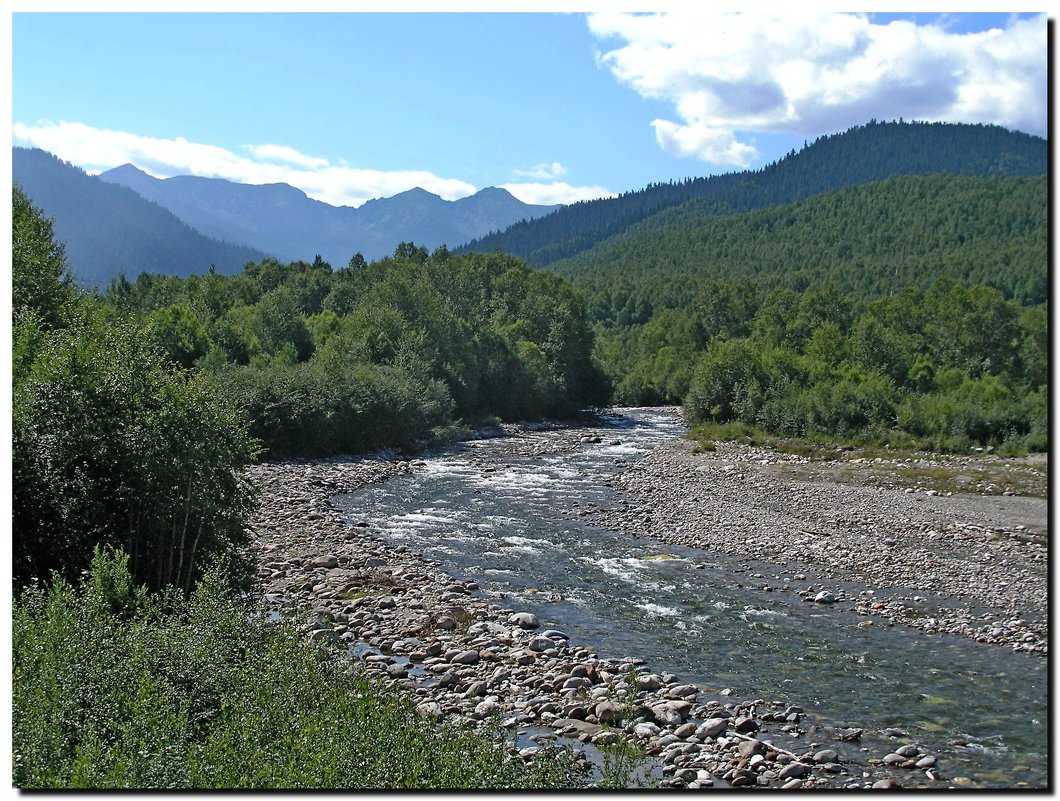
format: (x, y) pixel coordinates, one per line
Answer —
(555, 107)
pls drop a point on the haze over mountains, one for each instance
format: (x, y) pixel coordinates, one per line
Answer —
(108, 229)
(286, 223)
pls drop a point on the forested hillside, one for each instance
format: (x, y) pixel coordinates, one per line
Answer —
(870, 152)
(870, 240)
(910, 310)
(107, 229)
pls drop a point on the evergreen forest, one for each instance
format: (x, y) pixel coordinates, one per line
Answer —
(871, 152)
(911, 311)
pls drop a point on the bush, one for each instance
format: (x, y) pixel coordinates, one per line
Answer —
(979, 411)
(327, 407)
(111, 444)
(207, 694)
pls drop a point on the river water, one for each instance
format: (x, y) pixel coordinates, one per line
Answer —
(511, 523)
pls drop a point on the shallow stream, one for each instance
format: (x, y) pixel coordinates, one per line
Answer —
(511, 523)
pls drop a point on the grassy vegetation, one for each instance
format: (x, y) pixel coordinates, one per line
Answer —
(887, 445)
(707, 435)
(1003, 470)
(117, 687)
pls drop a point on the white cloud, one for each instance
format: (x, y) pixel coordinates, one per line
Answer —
(286, 155)
(544, 172)
(548, 194)
(727, 74)
(716, 145)
(98, 149)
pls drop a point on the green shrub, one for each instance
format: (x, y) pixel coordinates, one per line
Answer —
(979, 411)
(113, 444)
(327, 407)
(204, 693)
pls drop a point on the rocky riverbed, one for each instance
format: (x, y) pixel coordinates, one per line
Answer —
(975, 565)
(469, 660)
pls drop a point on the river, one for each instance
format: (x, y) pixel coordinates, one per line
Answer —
(512, 524)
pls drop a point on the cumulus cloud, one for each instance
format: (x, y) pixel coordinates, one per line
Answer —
(98, 149)
(548, 194)
(728, 75)
(544, 172)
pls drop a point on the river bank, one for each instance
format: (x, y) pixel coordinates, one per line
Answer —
(974, 565)
(468, 658)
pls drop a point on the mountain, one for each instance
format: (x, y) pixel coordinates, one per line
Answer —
(870, 152)
(108, 229)
(287, 223)
(869, 240)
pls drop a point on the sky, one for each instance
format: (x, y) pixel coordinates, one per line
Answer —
(555, 106)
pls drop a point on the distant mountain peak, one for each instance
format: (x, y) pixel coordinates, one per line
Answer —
(127, 169)
(280, 219)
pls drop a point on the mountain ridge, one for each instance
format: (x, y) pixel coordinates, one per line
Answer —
(285, 221)
(107, 229)
(870, 152)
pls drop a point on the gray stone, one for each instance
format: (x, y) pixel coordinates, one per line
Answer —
(448, 679)
(465, 658)
(649, 681)
(665, 715)
(685, 730)
(486, 708)
(476, 690)
(827, 755)
(794, 771)
(576, 683)
(555, 634)
(606, 712)
(907, 751)
(824, 597)
(886, 784)
(712, 727)
(540, 643)
(645, 730)
(328, 561)
(429, 710)
(749, 748)
(745, 724)
(926, 762)
(524, 620)
(682, 691)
